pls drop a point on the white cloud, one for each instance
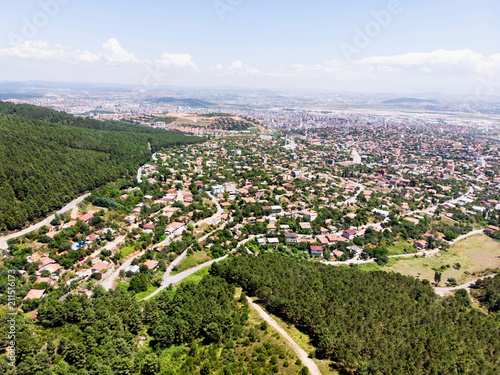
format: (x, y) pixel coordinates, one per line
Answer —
(116, 54)
(239, 68)
(177, 61)
(457, 63)
(112, 54)
(439, 62)
(38, 50)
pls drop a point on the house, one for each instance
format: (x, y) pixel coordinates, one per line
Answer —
(133, 269)
(44, 262)
(291, 237)
(382, 213)
(218, 219)
(349, 234)
(322, 240)
(151, 264)
(491, 229)
(412, 220)
(148, 228)
(421, 245)
(175, 228)
(273, 241)
(47, 280)
(217, 189)
(261, 241)
(337, 253)
(69, 224)
(52, 268)
(316, 251)
(99, 267)
(130, 219)
(229, 187)
(91, 238)
(305, 225)
(311, 215)
(35, 294)
(85, 217)
(271, 227)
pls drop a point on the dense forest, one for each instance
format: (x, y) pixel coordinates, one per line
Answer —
(202, 329)
(372, 322)
(487, 292)
(50, 157)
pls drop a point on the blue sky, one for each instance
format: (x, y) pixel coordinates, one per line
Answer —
(411, 46)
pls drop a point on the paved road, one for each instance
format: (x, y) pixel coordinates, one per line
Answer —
(445, 291)
(301, 353)
(139, 175)
(356, 156)
(108, 283)
(464, 236)
(46, 221)
(219, 212)
(167, 279)
(139, 171)
(354, 198)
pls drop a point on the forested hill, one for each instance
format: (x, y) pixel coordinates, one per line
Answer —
(372, 322)
(49, 158)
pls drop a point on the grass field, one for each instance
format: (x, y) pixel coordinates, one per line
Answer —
(166, 120)
(124, 251)
(195, 277)
(191, 261)
(401, 247)
(146, 293)
(475, 254)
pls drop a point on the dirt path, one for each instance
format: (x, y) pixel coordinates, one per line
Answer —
(306, 361)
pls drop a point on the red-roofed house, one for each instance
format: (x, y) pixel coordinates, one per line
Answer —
(85, 217)
(349, 234)
(316, 250)
(35, 294)
(151, 264)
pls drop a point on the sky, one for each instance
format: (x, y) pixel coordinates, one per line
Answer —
(400, 46)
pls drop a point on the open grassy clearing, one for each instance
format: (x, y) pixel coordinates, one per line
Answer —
(191, 261)
(124, 251)
(475, 255)
(401, 247)
(195, 277)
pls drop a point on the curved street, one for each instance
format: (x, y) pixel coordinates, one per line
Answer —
(446, 291)
(46, 221)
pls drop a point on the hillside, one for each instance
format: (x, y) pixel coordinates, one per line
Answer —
(49, 158)
(371, 322)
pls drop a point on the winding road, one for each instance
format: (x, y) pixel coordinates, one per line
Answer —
(445, 291)
(46, 221)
